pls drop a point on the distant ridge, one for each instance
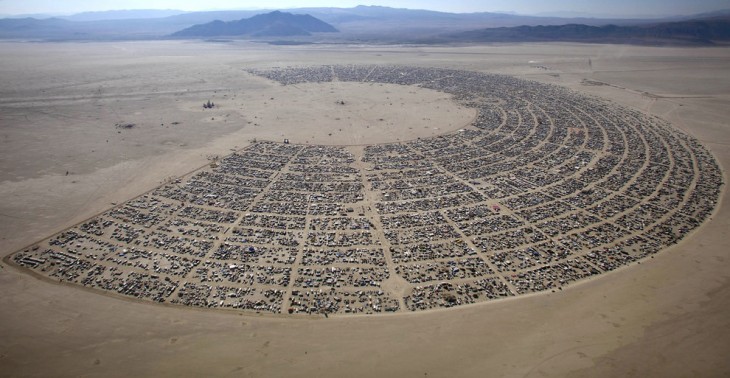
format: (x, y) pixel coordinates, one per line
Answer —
(130, 14)
(275, 23)
(698, 32)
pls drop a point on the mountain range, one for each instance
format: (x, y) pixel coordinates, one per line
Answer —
(699, 32)
(361, 24)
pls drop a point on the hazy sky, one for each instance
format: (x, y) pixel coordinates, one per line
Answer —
(597, 7)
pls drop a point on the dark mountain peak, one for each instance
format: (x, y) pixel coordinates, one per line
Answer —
(276, 23)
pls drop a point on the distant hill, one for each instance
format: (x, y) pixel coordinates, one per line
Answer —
(275, 23)
(697, 32)
(21, 27)
(132, 14)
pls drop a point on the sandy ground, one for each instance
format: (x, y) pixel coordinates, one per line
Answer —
(59, 104)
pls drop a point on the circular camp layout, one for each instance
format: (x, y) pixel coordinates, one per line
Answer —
(544, 188)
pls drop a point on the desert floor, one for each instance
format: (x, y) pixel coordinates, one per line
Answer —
(63, 159)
